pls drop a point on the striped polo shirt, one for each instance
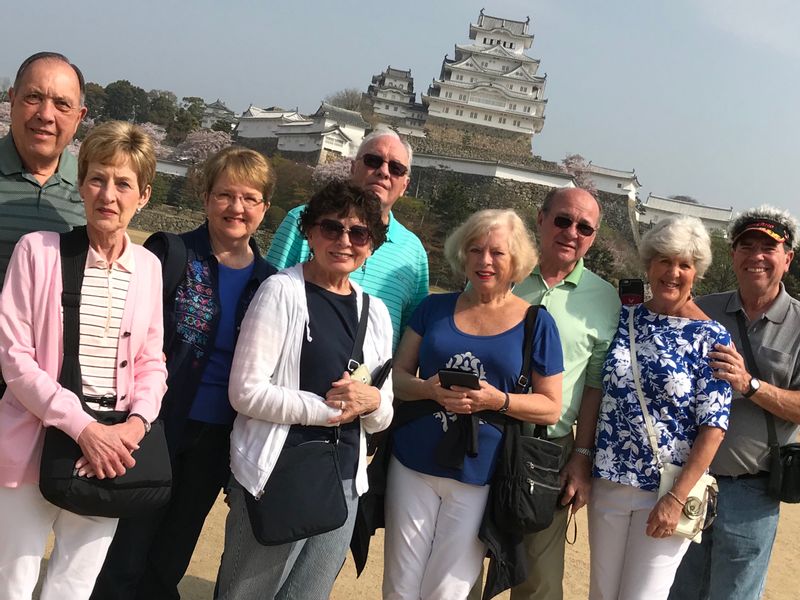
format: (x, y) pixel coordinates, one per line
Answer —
(103, 294)
(26, 205)
(397, 272)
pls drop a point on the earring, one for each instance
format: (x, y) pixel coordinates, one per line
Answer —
(364, 267)
(138, 210)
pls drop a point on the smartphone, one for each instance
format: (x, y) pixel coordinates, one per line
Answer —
(631, 291)
(467, 379)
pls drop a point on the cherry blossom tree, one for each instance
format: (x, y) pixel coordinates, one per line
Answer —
(201, 144)
(337, 170)
(576, 165)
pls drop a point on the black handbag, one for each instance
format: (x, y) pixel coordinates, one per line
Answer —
(526, 484)
(784, 461)
(145, 486)
(303, 496)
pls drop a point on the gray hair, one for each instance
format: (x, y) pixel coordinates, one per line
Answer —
(50, 56)
(383, 131)
(765, 211)
(521, 246)
(678, 236)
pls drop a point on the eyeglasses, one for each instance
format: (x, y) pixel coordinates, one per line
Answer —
(333, 230)
(373, 161)
(248, 201)
(565, 223)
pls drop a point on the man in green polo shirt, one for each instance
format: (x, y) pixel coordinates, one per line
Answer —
(586, 310)
(38, 176)
(397, 272)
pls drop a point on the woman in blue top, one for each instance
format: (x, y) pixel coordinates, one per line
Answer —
(434, 503)
(219, 269)
(634, 552)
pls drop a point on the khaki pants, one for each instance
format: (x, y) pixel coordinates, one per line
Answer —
(545, 554)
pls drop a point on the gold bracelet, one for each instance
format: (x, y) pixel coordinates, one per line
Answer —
(674, 497)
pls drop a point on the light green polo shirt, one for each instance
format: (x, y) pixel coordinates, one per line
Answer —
(26, 205)
(397, 272)
(586, 310)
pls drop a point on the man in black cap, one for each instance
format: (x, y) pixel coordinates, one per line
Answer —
(731, 563)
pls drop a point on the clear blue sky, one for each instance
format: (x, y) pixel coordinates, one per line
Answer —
(700, 97)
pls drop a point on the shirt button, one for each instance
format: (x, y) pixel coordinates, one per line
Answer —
(123, 364)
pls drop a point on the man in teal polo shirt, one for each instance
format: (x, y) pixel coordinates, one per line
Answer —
(586, 310)
(38, 176)
(397, 272)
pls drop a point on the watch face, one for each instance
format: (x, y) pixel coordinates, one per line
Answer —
(754, 384)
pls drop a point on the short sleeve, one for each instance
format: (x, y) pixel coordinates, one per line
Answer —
(546, 358)
(420, 316)
(713, 396)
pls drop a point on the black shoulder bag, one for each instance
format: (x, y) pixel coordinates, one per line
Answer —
(303, 496)
(144, 487)
(525, 485)
(784, 461)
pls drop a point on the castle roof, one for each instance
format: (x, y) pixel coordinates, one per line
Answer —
(340, 115)
(489, 23)
(498, 51)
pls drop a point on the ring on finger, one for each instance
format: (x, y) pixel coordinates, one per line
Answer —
(341, 404)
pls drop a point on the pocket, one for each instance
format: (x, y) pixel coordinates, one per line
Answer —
(778, 363)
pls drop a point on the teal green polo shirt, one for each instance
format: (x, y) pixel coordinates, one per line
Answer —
(26, 205)
(397, 272)
(586, 310)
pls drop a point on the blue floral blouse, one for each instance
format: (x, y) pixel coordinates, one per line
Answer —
(680, 391)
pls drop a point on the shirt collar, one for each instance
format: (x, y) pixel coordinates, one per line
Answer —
(125, 261)
(393, 228)
(776, 312)
(11, 163)
(573, 278)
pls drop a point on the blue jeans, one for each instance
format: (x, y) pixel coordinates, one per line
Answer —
(302, 570)
(732, 561)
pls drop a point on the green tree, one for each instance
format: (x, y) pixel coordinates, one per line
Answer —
(195, 105)
(182, 126)
(120, 100)
(95, 101)
(162, 107)
(223, 126)
(141, 105)
(720, 275)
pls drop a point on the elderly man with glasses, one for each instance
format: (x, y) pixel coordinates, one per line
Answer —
(397, 272)
(586, 309)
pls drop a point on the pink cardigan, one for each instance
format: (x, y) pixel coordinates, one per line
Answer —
(31, 349)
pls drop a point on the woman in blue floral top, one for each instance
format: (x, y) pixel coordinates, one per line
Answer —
(634, 552)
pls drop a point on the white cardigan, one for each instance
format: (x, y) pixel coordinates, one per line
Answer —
(265, 378)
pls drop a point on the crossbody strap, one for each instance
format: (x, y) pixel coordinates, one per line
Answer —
(648, 422)
(73, 248)
(357, 355)
(752, 366)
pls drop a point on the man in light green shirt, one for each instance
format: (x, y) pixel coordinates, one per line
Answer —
(586, 310)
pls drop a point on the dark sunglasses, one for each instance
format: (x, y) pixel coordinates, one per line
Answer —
(333, 230)
(373, 161)
(565, 223)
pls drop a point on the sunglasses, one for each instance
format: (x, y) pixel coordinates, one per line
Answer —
(565, 223)
(373, 161)
(333, 230)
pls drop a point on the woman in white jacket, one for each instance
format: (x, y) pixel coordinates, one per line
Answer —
(290, 385)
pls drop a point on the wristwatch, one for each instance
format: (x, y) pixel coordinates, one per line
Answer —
(587, 452)
(752, 387)
(142, 419)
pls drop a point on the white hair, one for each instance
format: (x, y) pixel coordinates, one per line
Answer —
(678, 236)
(383, 131)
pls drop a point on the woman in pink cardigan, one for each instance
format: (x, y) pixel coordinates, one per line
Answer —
(121, 367)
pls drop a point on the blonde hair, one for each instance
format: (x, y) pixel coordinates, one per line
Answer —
(520, 242)
(113, 141)
(244, 166)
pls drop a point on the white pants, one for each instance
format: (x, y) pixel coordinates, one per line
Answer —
(627, 564)
(431, 548)
(26, 520)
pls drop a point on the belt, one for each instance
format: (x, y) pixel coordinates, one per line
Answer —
(107, 401)
(744, 476)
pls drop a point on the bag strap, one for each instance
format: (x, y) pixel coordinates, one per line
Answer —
(357, 355)
(648, 422)
(73, 248)
(752, 366)
(523, 383)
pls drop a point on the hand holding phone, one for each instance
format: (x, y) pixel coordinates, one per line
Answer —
(466, 379)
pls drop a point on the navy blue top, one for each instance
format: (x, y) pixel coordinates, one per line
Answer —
(211, 403)
(333, 322)
(495, 358)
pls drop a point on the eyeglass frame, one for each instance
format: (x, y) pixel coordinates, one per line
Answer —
(335, 231)
(231, 198)
(396, 168)
(563, 222)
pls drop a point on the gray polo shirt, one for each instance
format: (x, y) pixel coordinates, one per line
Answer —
(26, 205)
(775, 340)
